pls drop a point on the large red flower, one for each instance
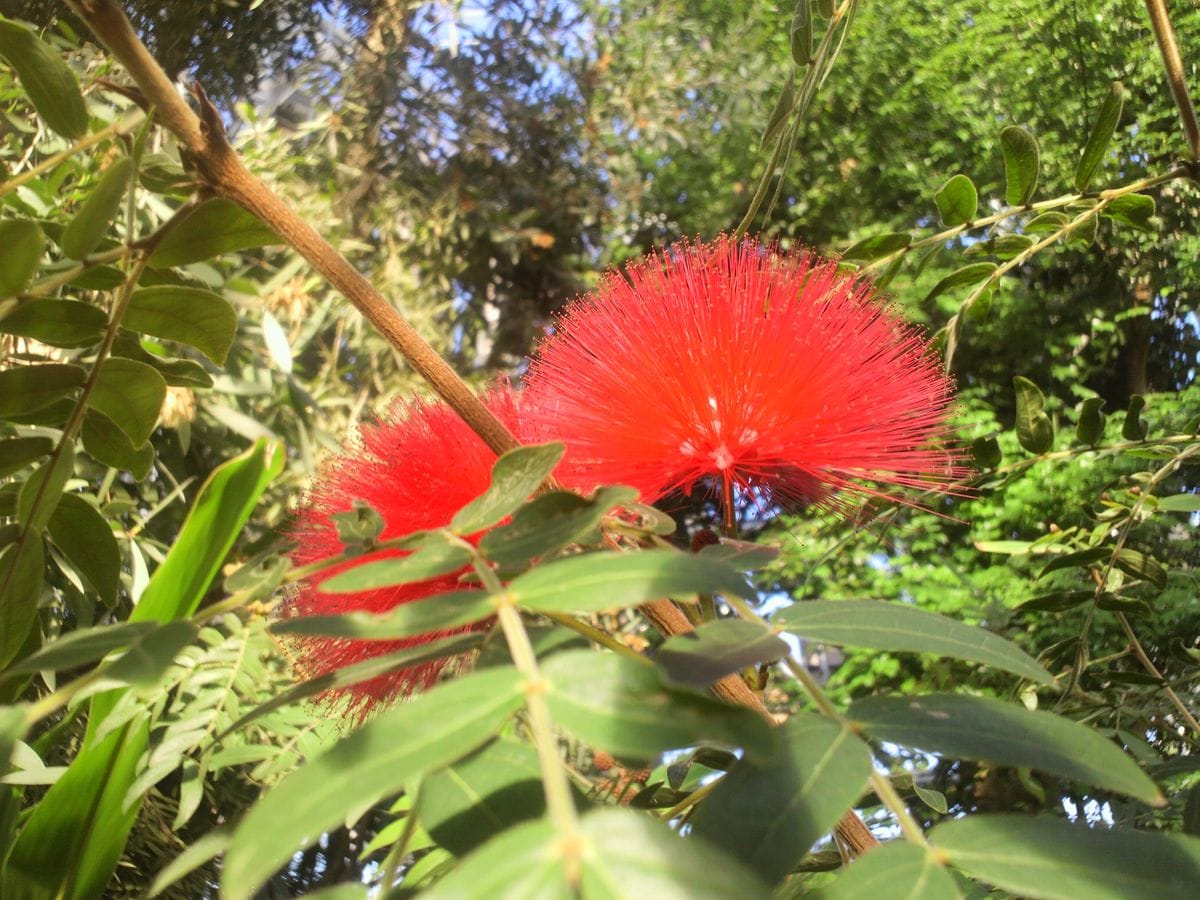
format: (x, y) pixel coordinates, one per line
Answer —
(732, 365)
(417, 468)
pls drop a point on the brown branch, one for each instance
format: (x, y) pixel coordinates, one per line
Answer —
(1164, 33)
(203, 140)
(670, 621)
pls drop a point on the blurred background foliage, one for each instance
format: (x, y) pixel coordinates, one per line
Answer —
(483, 161)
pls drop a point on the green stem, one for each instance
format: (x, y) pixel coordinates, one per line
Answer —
(596, 636)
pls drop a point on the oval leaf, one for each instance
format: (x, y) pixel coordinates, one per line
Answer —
(899, 871)
(192, 316)
(131, 395)
(715, 649)
(23, 244)
(18, 452)
(436, 613)
(879, 625)
(436, 557)
(877, 246)
(516, 475)
(107, 443)
(21, 573)
(90, 223)
(1021, 163)
(1035, 431)
(957, 200)
(550, 522)
(48, 81)
(214, 227)
(984, 728)
(85, 538)
(1090, 427)
(972, 274)
(29, 388)
(1101, 136)
(60, 323)
(1135, 210)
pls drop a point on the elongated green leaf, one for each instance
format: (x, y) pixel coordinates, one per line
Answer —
(436, 728)
(549, 523)
(32, 387)
(780, 112)
(436, 557)
(768, 813)
(1051, 859)
(972, 274)
(42, 491)
(1135, 210)
(222, 507)
(81, 647)
(878, 245)
(1021, 163)
(12, 729)
(1186, 503)
(60, 323)
(899, 871)
(716, 649)
(1002, 246)
(595, 582)
(473, 800)
(615, 704)
(1101, 136)
(1075, 558)
(90, 223)
(21, 574)
(18, 452)
(152, 654)
(1090, 427)
(363, 671)
(107, 443)
(23, 244)
(802, 34)
(87, 540)
(516, 475)
(215, 227)
(48, 81)
(436, 613)
(131, 394)
(622, 855)
(989, 729)
(204, 848)
(879, 625)
(191, 316)
(957, 201)
(1035, 431)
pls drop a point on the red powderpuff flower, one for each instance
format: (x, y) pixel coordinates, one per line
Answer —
(737, 366)
(416, 468)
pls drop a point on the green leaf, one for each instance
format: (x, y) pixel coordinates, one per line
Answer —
(18, 452)
(549, 523)
(81, 647)
(213, 228)
(1055, 602)
(363, 671)
(768, 813)
(878, 245)
(476, 798)
(27, 388)
(801, 34)
(1084, 557)
(1035, 431)
(131, 395)
(988, 729)
(1185, 503)
(1021, 162)
(12, 729)
(198, 851)
(715, 649)
(374, 762)
(87, 540)
(1139, 565)
(1047, 222)
(90, 223)
(60, 323)
(22, 567)
(615, 704)
(898, 870)
(436, 613)
(971, 274)
(957, 200)
(152, 654)
(1133, 428)
(359, 526)
(435, 557)
(1135, 210)
(107, 444)
(741, 555)
(1090, 427)
(596, 582)
(23, 244)
(880, 625)
(222, 507)
(516, 475)
(48, 81)
(780, 112)
(1054, 860)
(176, 372)
(1003, 246)
(621, 855)
(985, 453)
(41, 492)
(1101, 136)
(191, 316)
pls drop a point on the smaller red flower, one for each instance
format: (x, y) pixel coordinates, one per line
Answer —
(416, 468)
(733, 365)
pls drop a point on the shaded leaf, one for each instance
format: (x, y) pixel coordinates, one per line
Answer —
(60, 323)
(985, 453)
(131, 395)
(1133, 428)
(23, 244)
(87, 540)
(21, 572)
(18, 452)
(971, 274)
(80, 647)
(1055, 860)
(898, 870)
(27, 388)
(880, 625)
(1101, 136)
(988, 729)
(191, 316)
(91, 221)
(878, 245)
(41, 492)
(1090, 427)
(1035, 431)
(48, 81)
(151, 655)
(213, 228)
(716, 649)
(549, 522)
(957, 200)
(108, 444)
(515, 476)
(1135, 210)
(1021, 163)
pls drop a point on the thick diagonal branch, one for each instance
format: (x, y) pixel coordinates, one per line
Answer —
(1164, 33)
